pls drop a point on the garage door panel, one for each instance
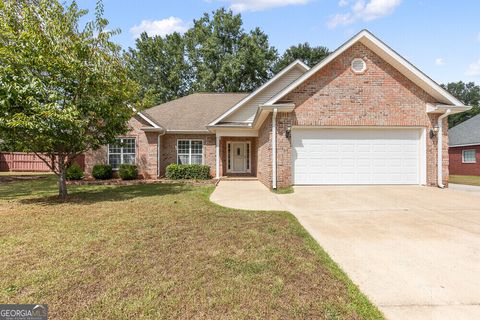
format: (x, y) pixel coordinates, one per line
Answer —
(356, 156)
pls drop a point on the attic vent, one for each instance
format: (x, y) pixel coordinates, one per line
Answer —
(358, 65)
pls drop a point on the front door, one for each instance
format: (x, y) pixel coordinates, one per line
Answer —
(238, 157)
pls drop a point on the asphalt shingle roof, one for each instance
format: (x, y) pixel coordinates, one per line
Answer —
(193, 112)
(467, 132)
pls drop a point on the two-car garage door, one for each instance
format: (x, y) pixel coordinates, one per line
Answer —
(356, 156)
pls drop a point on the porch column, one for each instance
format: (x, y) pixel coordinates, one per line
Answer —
(217, 157)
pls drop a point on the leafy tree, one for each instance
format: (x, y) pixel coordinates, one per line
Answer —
(469, 94)
(159, 65)
(303, 51)
(225, 58)
(63, 90)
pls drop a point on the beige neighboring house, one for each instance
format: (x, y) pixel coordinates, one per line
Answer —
(363, 115)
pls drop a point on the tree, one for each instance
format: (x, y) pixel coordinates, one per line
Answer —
(159, 65)
(469, 94)
(303, 51)
(223, 57)
(63, 90)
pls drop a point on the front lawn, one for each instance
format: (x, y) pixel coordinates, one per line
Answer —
(163, 251)
(471, 180)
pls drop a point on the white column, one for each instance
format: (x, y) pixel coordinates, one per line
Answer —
(217, 157)
(274, 149)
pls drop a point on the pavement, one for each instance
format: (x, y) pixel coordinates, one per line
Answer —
(414, 251)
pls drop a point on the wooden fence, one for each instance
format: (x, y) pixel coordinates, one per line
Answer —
(23, 162)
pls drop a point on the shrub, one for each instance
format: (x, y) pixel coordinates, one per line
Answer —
(188, 171)
(74, 172)
(128, 172)
(102, 171)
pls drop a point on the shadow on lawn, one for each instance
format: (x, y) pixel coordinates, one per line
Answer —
(96, 194)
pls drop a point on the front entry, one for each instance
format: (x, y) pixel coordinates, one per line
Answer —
(238, 157)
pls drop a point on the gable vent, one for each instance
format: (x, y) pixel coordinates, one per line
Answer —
(358, 65)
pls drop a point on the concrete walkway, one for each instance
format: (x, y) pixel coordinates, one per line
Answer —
(464, 187)
(414, 251)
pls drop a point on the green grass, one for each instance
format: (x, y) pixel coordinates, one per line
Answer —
(286, 190)
(163, 251)
(470, 180)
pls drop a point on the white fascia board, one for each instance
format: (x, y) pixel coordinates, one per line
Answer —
(150, 122)
(442, 108)
(296, 63)
(464, 145)
(370, 41)
(173, 131)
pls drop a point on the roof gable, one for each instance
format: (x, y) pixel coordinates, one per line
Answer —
(262, 94)
(387, 54)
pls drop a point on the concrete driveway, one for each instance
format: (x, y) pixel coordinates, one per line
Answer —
(414, 251)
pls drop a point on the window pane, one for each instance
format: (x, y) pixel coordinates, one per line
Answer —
(469, 156)
(183, 146)
(196, 159)
(128, 145)
(197, 147)
(182, 159)
(114, 160)
(115, 147)
(129, 158)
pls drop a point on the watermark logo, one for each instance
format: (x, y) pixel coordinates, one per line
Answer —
(23, 312)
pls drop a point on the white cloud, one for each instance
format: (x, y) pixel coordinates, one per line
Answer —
(440, 62)
(343, 3)
(478, 37)
(364, 11)
(259, 5)
(474, 69)
(159, 27)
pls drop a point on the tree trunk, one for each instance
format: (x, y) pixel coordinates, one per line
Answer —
(62, 181)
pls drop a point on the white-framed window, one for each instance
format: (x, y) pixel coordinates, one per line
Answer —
(469, 156)
(189, 151)
(121, 152)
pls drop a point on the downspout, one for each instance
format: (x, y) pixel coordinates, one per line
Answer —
(274, 149)
(440, 148)
(217, 156)
(159, 156)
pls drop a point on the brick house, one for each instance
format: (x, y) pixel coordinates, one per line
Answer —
(464, 148)
(363, 115)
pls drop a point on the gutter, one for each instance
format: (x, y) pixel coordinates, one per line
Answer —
(440, 148)
(274, 149)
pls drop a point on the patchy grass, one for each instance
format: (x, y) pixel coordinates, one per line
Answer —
(470, 180)
(163, 251)
(286, 190)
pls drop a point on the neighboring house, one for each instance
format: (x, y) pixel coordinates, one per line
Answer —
(363, 115)
(464, 150)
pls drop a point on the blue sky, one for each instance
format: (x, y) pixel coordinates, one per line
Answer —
(440, 37)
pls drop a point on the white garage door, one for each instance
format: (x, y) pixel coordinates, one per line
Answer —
(356, 156)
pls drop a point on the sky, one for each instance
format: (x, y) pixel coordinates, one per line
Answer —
(440, 37)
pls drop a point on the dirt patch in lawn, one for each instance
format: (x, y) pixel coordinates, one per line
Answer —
(164, 251)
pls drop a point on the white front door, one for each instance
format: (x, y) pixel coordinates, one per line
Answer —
(238, 157)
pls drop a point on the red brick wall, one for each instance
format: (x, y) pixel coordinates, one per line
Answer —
(146, 150)
(381, 96)
(169, 150)
(465, 169)
(264, 153)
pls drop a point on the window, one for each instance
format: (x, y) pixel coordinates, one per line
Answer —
(122, 151)
(189, 151)
(469, 156)
(358, 65)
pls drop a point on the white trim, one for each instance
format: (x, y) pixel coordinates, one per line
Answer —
(187, 131)
(121, 152)
(245, 143)
(370, 41)
(247, 132)
(217, 157)
(144, 117)
(274, 149)
(358, 127)
(364, 65)
(474, 154)
(190, 150)
(464, 145)
(259, 89)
